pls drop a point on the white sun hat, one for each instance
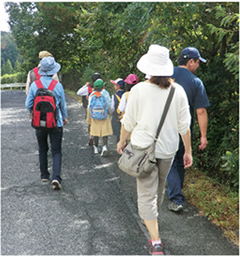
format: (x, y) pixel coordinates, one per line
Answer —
(156, 62)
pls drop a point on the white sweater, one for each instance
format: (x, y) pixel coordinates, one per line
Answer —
(145, 106)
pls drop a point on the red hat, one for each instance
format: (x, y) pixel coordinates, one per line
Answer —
(131, 79)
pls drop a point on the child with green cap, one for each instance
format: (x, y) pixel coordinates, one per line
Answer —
(100, 127)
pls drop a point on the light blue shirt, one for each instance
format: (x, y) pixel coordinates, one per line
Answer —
(59, 95)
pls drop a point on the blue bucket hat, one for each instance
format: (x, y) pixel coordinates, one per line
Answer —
(191, 53)
(48, 67)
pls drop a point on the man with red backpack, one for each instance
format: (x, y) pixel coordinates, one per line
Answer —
(34, 74)
(51, 125)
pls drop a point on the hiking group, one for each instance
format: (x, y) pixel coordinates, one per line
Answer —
(132, 114)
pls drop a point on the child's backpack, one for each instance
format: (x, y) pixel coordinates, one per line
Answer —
(119, 114)
(44, 113)
(98, 106)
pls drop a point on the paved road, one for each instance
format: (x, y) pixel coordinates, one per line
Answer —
(96, 210)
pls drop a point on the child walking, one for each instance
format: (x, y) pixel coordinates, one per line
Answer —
(119, 90)
(85, 91)
(98, 118)
(130, 81)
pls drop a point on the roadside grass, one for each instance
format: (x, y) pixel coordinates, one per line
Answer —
(214, 201)
(73, 94)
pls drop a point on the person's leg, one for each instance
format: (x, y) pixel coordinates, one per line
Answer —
(104, 148)
(56, 148)
(164, 166)
(118, 131)
(175, 178)
(147, 202)
(105, 140)
(150, 195)
(43, 151)
(95, 146)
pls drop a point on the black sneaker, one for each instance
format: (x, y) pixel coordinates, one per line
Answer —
(156, 249)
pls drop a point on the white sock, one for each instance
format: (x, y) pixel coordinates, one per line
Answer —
(156, 242)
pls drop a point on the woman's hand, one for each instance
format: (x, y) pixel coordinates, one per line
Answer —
(120, 147)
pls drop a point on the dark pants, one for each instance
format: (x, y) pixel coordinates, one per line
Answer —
(56, 149)
(116, 126)
(175, 177)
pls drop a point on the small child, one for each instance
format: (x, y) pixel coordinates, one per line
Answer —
(130, 81)
(85, 91)
(119, 90)
(94, 77)
(100, 128)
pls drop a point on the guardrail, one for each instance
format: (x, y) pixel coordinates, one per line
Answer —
(11, 86)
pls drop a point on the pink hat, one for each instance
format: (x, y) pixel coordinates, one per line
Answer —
(131, 79)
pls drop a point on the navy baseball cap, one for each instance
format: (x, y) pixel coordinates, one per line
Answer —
(191, 53)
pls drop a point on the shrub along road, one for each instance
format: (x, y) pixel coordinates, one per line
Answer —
(96, 210)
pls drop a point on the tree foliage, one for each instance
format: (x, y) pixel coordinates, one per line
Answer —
(109, 38)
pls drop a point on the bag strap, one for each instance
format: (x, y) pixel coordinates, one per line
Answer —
(50, 87)
(35, 70)
(167, 105)
(118, 98)
(39, 84)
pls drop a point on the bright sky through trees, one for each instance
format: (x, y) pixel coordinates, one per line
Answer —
(3, 18)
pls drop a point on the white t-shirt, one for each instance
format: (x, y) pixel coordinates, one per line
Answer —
(143, 112)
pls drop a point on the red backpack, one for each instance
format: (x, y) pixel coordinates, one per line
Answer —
(44, 113)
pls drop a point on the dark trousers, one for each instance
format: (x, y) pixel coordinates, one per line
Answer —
(56, 149)
(175, 177)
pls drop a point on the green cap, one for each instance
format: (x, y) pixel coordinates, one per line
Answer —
(98, 83)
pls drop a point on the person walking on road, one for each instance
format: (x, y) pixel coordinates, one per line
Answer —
(130, 81)
(100, 127)
(34, 73)
(116, 114)
(189, 60)
(141, 119)
(85, 91)
(48, 68)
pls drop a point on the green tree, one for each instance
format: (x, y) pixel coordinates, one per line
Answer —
(17, 67)
(8, 48)
(7, 68)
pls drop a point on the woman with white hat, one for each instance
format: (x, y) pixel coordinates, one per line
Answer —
(142, 116)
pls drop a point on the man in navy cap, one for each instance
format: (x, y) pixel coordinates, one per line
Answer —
(189, 61)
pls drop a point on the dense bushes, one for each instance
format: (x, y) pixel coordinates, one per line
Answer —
(19, 77)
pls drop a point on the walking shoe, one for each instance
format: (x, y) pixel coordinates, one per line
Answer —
(175, 207)
(95, 149)
(90, 142)
(56, 185)
(45, 180)
(156, 249)
(104, 151)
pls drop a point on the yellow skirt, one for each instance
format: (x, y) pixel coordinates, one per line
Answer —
(99, 128)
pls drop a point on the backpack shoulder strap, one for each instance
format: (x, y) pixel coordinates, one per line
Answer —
(118, 98)
(35, 70)
(52, 85)
(39, 84)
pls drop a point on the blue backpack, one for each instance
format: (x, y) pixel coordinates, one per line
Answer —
(98, 106)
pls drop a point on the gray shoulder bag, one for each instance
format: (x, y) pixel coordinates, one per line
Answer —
(138, 162)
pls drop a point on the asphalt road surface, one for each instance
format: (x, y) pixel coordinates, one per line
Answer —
(95, 213)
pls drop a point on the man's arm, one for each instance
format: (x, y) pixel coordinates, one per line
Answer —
(202, 122)
(187, 158)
